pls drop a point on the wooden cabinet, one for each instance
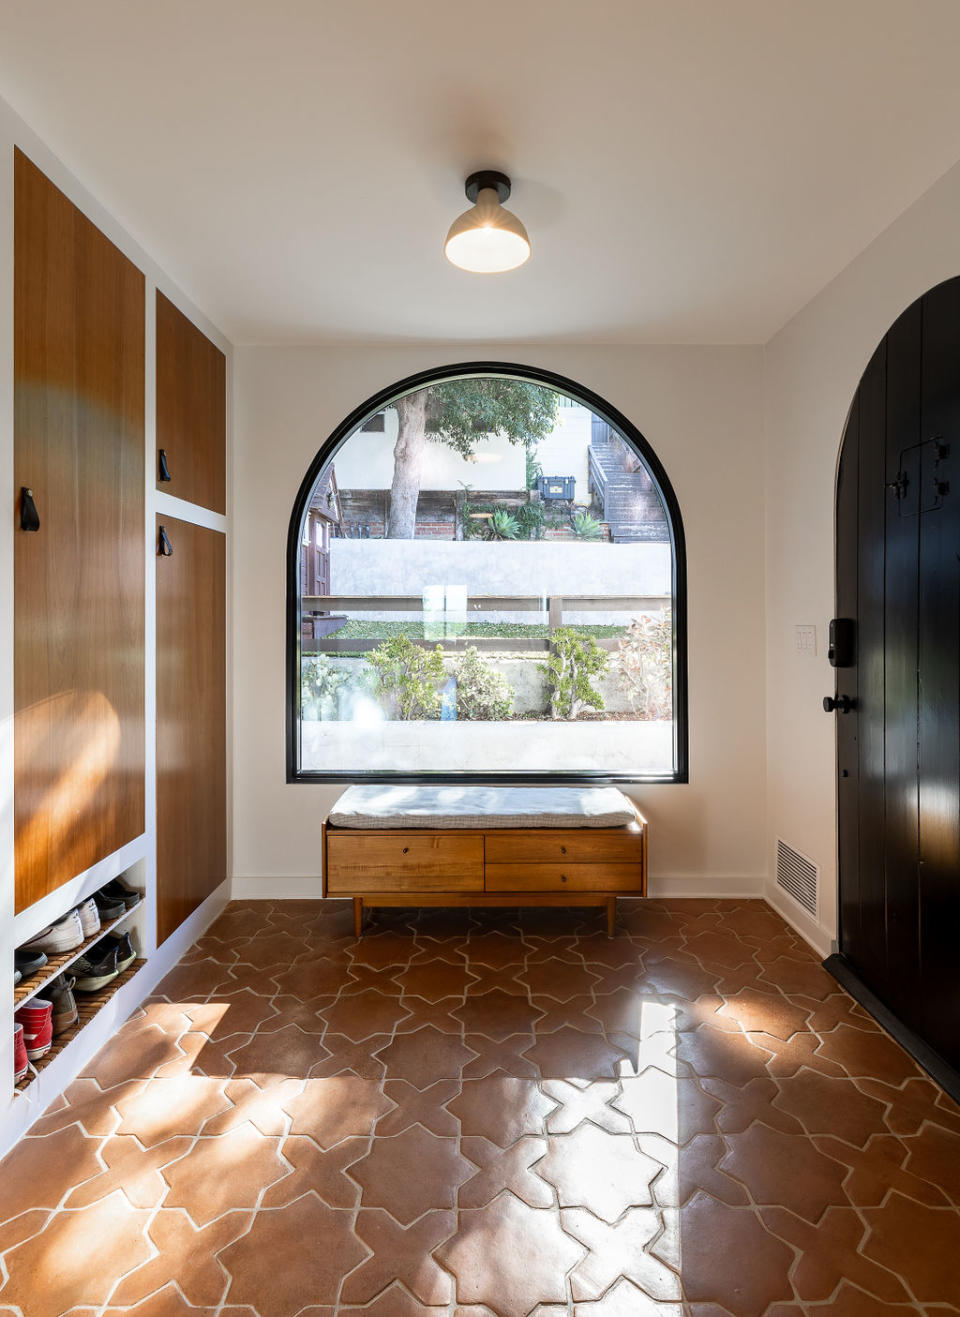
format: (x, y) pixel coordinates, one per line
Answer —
(507, 866)
(79, 579)
(191, 410)
(191, 721)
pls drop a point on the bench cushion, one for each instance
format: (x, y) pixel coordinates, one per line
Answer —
(482, 807)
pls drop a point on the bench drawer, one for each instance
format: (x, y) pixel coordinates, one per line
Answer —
(565, 846)
(404, 862)
(616, 877)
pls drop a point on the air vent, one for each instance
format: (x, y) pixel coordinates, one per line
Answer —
(797, 876)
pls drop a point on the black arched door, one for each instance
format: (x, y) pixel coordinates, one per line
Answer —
(898, 745)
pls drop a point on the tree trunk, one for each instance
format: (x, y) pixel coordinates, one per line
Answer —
(407, 463)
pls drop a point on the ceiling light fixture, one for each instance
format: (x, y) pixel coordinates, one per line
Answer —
(487, 239)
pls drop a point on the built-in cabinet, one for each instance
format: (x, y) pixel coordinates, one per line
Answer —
(79, 572)
(191, 411)
(191, 726)
(86, 597)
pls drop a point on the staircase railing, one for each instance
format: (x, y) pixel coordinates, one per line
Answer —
(598, 478)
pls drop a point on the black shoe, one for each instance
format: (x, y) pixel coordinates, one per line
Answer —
(126, 951)
(96, 969)
(109, 907)
(119, 891)
(28, 962)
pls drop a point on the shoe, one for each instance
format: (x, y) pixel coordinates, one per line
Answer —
(126, 951)
(121, 892)
(89, 917)
(96, 969)
(37, 1020)
(28, 962)
(65, 1011)
(65, 935)
(109, 907)
(17, 976)
(20, 1063)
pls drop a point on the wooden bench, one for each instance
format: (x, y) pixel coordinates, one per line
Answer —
(495, 866)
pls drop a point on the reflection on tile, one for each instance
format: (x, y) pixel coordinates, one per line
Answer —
(490, 1114)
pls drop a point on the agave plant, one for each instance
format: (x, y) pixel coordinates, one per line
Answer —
(502, 525)
(586, 527)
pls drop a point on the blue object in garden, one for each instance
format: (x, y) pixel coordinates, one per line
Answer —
(448, 702)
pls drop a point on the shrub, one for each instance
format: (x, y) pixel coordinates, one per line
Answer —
(574, 659)
(645, 664)
(534, 469)
(409, 675)
(319, 685)
(530, 517)
(482, 693)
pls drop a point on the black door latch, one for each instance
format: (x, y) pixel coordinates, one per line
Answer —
(842, 704)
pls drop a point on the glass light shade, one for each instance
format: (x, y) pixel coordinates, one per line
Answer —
(486, 238)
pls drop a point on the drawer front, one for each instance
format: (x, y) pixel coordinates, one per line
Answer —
(564, 877)
(404, 862)
(565, 846)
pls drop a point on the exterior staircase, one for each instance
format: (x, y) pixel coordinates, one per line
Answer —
(630, 502)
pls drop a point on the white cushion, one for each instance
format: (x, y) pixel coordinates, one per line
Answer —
(482, 807)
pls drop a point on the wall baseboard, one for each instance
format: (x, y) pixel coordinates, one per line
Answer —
(671, 885)
(276, 889)
(812, 932)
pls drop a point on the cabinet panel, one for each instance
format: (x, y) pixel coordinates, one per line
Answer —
(399, 862)
(571, 846)
(79, 579)
(191, 722)
(606, 877)
(191, 409)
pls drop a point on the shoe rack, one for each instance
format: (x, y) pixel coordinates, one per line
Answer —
(88, 1003)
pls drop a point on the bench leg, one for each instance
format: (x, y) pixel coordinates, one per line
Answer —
(358, 916)
(611, 915)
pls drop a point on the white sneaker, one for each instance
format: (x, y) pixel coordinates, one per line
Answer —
(65, 935)
(89, 917)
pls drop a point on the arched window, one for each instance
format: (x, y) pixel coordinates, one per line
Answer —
(486, 582)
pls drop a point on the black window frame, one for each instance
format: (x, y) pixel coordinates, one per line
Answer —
(600, 407)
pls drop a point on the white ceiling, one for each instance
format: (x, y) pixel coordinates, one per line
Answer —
(688, 170)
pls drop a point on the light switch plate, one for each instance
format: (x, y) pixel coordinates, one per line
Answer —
(805, 639)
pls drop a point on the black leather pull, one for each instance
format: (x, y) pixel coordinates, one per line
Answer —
(29, 516)
(162, 462)
(164, 547)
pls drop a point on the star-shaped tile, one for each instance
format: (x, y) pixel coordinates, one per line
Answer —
(509, 1257)
(410, 1173)
(603, 1172)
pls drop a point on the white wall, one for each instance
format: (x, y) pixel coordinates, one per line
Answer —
(811, 372)
(699, 409)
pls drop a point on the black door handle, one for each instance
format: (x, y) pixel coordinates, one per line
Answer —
(29, 516)
(164, 547)
(842, 704)
(163, 465)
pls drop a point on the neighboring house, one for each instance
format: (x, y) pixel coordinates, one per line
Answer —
(497, 473)
(322, 523)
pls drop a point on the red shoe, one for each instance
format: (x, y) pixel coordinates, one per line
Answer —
(37, 1020)
(20, 1066)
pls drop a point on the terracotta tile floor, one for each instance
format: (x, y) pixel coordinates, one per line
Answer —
(492, 1113)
